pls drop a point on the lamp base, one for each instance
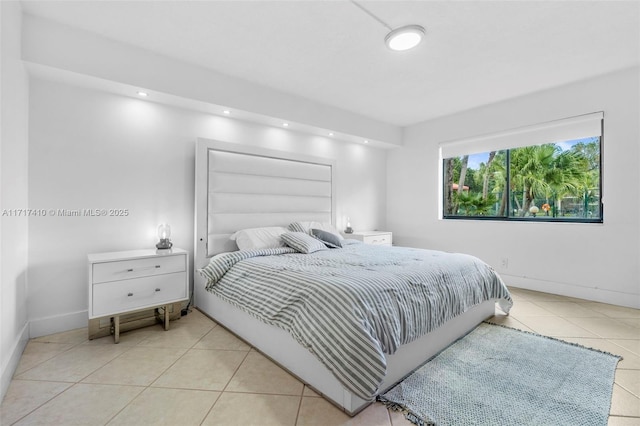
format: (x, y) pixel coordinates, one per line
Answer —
(164, 244)
(349, 230)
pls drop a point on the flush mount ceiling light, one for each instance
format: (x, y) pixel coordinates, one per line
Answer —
(404, 38)
(399, 39)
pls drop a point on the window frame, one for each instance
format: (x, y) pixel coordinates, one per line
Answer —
(545, 219)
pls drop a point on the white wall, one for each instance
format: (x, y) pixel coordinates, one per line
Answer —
(55, 46)
(94, 150)
(13, 193)
(593, 261)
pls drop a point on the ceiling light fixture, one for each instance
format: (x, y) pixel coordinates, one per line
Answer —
(143, 94)
(404, 38)
(285, 124)
(399, 39)
(226, 112)
(330, 133)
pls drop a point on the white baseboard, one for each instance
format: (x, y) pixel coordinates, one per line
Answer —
(58, 323)
(629, 300)
(10, 367)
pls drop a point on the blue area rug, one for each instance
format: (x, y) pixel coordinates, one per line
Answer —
(500, 376)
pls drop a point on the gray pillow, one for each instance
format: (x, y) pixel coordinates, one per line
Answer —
(330, 239)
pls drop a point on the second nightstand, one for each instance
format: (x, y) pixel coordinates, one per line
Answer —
(381, 238)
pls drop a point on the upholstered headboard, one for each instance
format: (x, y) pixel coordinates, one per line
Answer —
(239, 186)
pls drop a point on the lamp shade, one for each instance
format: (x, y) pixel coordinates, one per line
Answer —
(164, 231)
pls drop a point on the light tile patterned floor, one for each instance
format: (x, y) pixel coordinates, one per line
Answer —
(198, 373)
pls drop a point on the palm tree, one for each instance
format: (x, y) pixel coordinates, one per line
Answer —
(487, 173)
(544, 170)
(448, 186)
(499, 172)
(590, 148)
(528, 168)
(463, 173)
(483, 205)
(570, 175)
(466, 201)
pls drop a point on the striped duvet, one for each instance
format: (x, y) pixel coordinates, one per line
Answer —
(351, 306)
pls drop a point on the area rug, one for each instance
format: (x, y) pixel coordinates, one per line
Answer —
(500, 376)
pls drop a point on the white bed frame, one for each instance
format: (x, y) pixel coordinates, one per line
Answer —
(235, 202)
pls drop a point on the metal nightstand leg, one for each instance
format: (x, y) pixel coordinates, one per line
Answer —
(166, 317)
(116, 329)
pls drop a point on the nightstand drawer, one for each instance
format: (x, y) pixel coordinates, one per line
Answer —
(136, 268)
(378, 238)
(110, 298)
(382, 240)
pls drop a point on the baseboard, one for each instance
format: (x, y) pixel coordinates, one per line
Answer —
(58, 323)
(10, 367)
(629, 300)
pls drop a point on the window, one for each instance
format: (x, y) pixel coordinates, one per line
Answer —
(548, 181)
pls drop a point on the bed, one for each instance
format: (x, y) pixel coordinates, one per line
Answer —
(240, 187)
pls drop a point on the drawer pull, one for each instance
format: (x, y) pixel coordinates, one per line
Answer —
(142, 269)
(157, 289)
(130, 294)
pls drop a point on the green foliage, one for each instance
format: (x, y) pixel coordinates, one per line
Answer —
(473, 204)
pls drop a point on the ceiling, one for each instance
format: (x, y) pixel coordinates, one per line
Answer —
(331, 52)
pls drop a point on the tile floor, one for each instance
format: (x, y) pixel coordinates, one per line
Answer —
(197, 373)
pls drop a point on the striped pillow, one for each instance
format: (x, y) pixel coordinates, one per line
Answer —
(302, 242)
(297, 227)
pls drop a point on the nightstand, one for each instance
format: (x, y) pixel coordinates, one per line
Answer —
(380, 238)
(128, 281)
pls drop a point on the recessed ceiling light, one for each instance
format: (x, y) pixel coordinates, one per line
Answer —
(404, 38)
(330, 133)
(366, 141)
(285, 124)
(143, 94)
(226, 111)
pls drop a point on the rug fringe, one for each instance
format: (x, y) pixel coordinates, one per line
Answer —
(620, 358)
(408, 414)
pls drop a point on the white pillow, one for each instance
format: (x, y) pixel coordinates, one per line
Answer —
(259, 238)
(308, 226)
